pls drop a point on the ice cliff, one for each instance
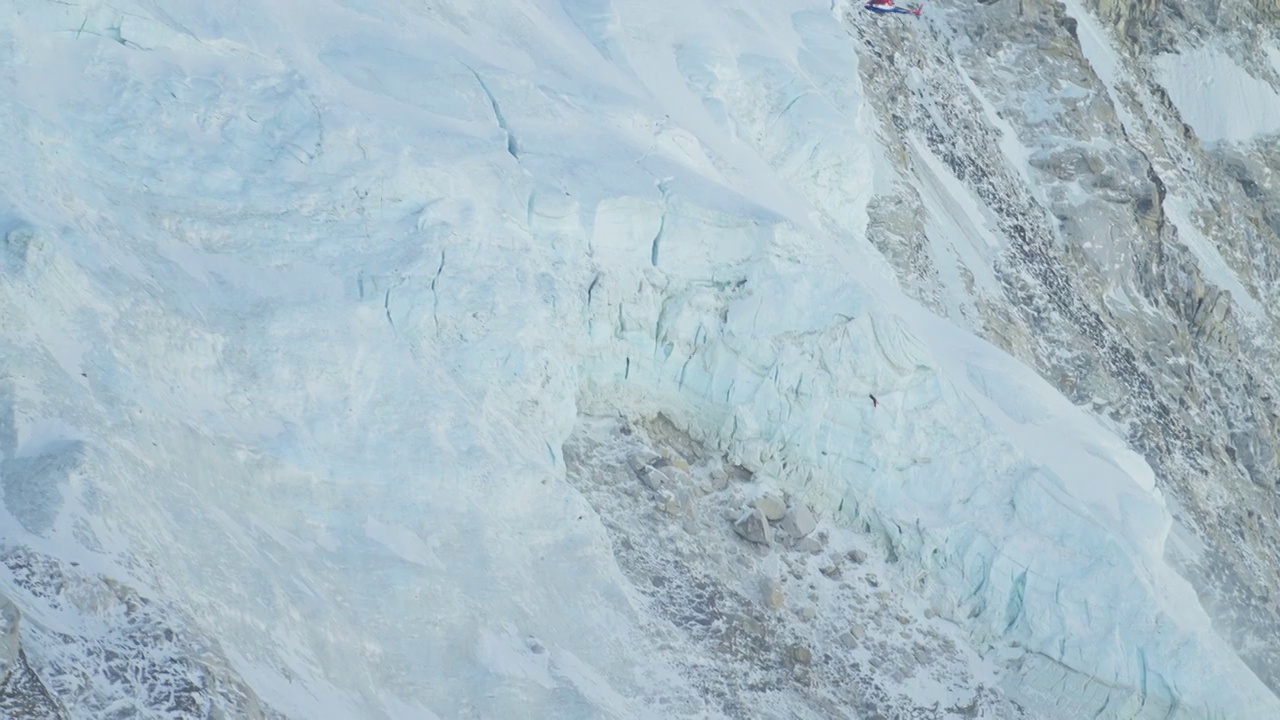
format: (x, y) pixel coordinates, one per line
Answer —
(333, 331)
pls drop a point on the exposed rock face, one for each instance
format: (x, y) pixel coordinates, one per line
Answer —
(9, 643)
(1104, 282)
(139, 657)
(22, 694)
(1128, 16)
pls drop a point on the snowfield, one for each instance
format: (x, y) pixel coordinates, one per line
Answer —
(303, 302)
(1223, 101)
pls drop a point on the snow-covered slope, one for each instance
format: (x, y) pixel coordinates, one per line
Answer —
(1218, 97)
(312, 311)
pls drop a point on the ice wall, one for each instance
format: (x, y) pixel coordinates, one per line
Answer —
(1042, 531)
(1037, 528)
(316, 290)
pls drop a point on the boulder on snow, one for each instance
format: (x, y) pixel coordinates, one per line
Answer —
(798, 521)
(808, 545)
(772, 506)
(754, 527)
(801, 655)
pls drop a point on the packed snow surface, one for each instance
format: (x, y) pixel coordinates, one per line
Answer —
(309, 296)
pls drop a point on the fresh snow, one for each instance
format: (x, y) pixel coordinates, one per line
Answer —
(1102, 56)
(1210, 261)
(1218, 98)
(305, 298)
(959, 230)
(1221, 102)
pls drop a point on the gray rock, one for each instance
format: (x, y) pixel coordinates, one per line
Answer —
(921, 655)
(655, 479)
(848, 640)
(671, 506)
(798, 521)
(679, 463)
(801, 654)
(808, 545)
(859, 632)
(857, 556)
(754, 527)
(688, 507)
(772, 506)
(748, 625)
(640, 460)
(677, 476)
(772, 591)
(719, 479)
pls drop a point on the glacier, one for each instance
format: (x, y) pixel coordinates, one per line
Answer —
(307, 306)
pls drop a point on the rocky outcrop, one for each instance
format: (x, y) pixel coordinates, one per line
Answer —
(1106, 284)
(22, 694)
(1128, 16)
(9, 644)
(814, 624)
(142, 655)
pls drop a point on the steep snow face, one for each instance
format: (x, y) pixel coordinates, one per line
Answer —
(304, 300)
(1220, 99)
